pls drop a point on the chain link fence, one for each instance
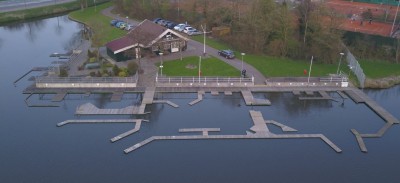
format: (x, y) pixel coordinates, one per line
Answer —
(355, 68)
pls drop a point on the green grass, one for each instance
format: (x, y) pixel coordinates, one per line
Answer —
(379, 69)
(94, 18)
(22, 15)
(211, 42)
(209, 67)
(274, 66)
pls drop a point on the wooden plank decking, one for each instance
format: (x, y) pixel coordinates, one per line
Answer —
(59, 96)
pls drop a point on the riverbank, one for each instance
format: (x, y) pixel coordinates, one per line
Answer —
(42, 12)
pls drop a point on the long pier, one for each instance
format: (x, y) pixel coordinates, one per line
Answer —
(260, 128)
(90, 109)
(165, 102)
(80, 121)
(130, 132)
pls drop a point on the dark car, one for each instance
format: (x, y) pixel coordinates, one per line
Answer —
(114, 22)
(156, 20)
(226, 53)
(171, 25)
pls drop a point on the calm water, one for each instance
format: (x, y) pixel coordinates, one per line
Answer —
(33, 149)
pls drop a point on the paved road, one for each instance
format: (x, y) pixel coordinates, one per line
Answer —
(14, 5)
(194, 49)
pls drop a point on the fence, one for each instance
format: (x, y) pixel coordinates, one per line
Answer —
(332, 81)
(355, 68)
(85, 82)
(204, 81)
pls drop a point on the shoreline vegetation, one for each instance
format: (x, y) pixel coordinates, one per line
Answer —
(42, 12)
(379, 75)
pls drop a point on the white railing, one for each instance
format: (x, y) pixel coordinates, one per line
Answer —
(86, 82)
(217, 81)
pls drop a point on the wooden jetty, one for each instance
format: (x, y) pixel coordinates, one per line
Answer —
(59, 96)
(214, 93)
(344, 96)
(227, 92)
(204, 131)
(280, 125)
(250, 100)
(165, 102)
(210, 137)
(354, 96)
(90, 109)
(308, 92)
(148, 96)
(117, 96)
(199, 98)
(324, 96)
(32, 70)
(296, 92)
(260, 128)
(80, 121)
(130, 132)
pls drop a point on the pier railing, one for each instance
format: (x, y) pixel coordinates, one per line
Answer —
(337, 81)
(85, 82)
(204, 81)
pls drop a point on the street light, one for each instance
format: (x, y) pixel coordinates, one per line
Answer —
(161, 66)
(243, 54)
(204, 37)
(351, 67)
(127, 19)
(341, 55)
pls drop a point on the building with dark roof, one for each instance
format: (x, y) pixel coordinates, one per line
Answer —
(146, 37)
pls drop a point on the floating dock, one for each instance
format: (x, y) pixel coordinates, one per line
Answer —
(90, 109)
(199, 98)
(344, 96)
(250, 100)
(227, 92)
(260, 128)
(59, 96)
(296, 92)
(130, 132)
(148, 96)
(165, 102)
(309, 92)
(80, 121)
(214, 93)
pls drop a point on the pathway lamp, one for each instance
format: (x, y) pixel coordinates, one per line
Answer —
(243, 54)
(161, 65)
(350, 68)
(341, 55)
(127, 20)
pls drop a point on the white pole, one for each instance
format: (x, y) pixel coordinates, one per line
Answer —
(161, 66)
(199, 67)
(341, 55)
(309, 73)
(204, 46)
(395, 16)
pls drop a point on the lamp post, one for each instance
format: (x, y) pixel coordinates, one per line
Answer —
(204, 38)
(309, 73)
(350, 67)
(127, 20)
(161, 66)
(243, 54)
(341, 55)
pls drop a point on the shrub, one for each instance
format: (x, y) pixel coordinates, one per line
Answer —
(115, 70)
(93, 74)
(132, 68)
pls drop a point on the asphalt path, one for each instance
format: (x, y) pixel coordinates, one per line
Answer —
(196, 49)
(14, 5)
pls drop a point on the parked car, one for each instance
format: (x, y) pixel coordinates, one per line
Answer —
(156, 20)
(194, 32)
(129, 27)
(188, 29)
(180, 27)
(226, 53)
(171, 25)
(123, 25)
(113, 22)
(118, 24)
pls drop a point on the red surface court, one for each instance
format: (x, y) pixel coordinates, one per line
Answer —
(355, 9)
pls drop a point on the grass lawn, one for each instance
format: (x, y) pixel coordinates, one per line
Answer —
(274, 66)
(379, 69)
(209, 67)
(96, 19)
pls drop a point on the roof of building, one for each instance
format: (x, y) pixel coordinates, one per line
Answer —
(144, 35)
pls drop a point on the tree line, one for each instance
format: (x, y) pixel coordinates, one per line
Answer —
(296, 31)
